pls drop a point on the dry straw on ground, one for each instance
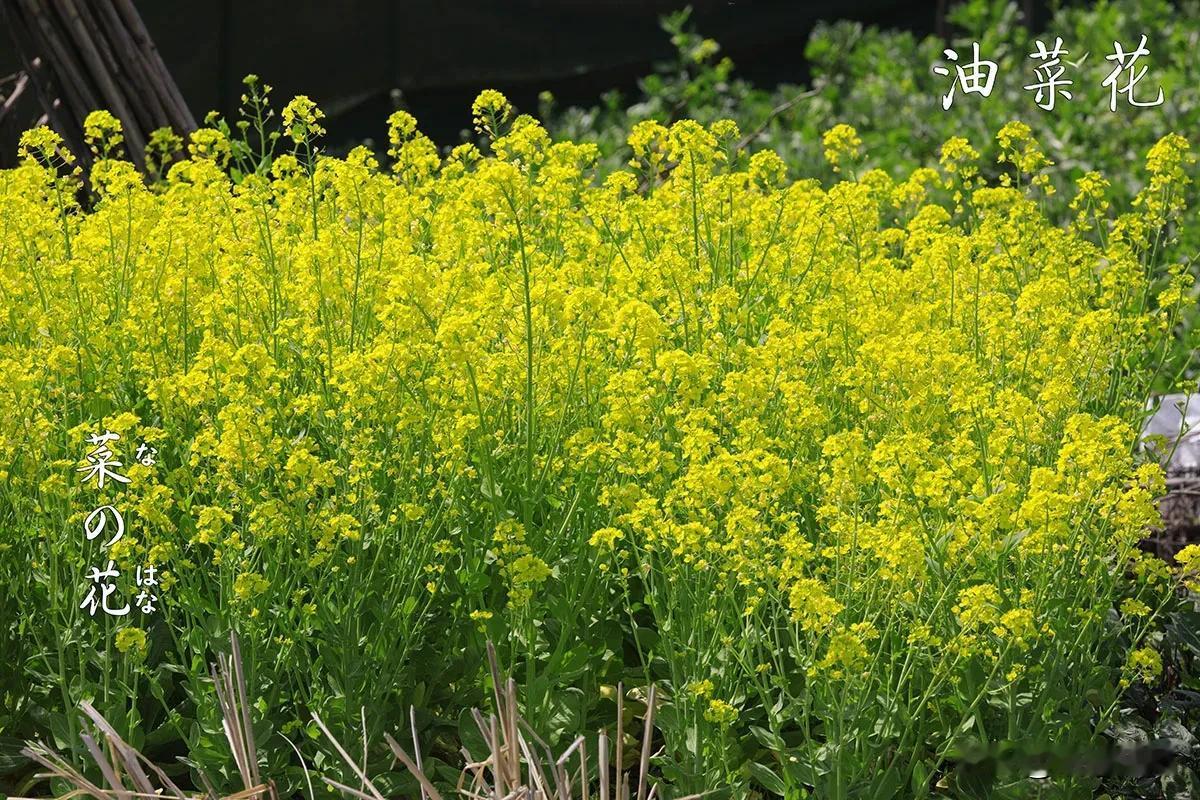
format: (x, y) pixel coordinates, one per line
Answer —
(519, 764)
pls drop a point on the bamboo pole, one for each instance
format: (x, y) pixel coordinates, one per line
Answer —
(90, 55)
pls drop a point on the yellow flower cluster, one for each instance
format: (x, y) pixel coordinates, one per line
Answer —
(301, 119)
(881, 427)
(131, 640)
(841, 145)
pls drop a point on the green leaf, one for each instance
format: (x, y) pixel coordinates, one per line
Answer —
(767, 778)
(767, 739)
(919, 780)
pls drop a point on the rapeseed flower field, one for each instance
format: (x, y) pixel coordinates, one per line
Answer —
(848, 471)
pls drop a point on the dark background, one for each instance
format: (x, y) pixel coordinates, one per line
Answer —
(350, 55)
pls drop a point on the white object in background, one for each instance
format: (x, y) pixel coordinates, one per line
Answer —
(1177, 418)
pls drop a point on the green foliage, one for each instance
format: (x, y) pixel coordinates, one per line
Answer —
(881, 83)
(813, 457)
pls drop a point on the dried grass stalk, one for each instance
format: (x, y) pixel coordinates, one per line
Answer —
(519, 764)
(128, 773)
